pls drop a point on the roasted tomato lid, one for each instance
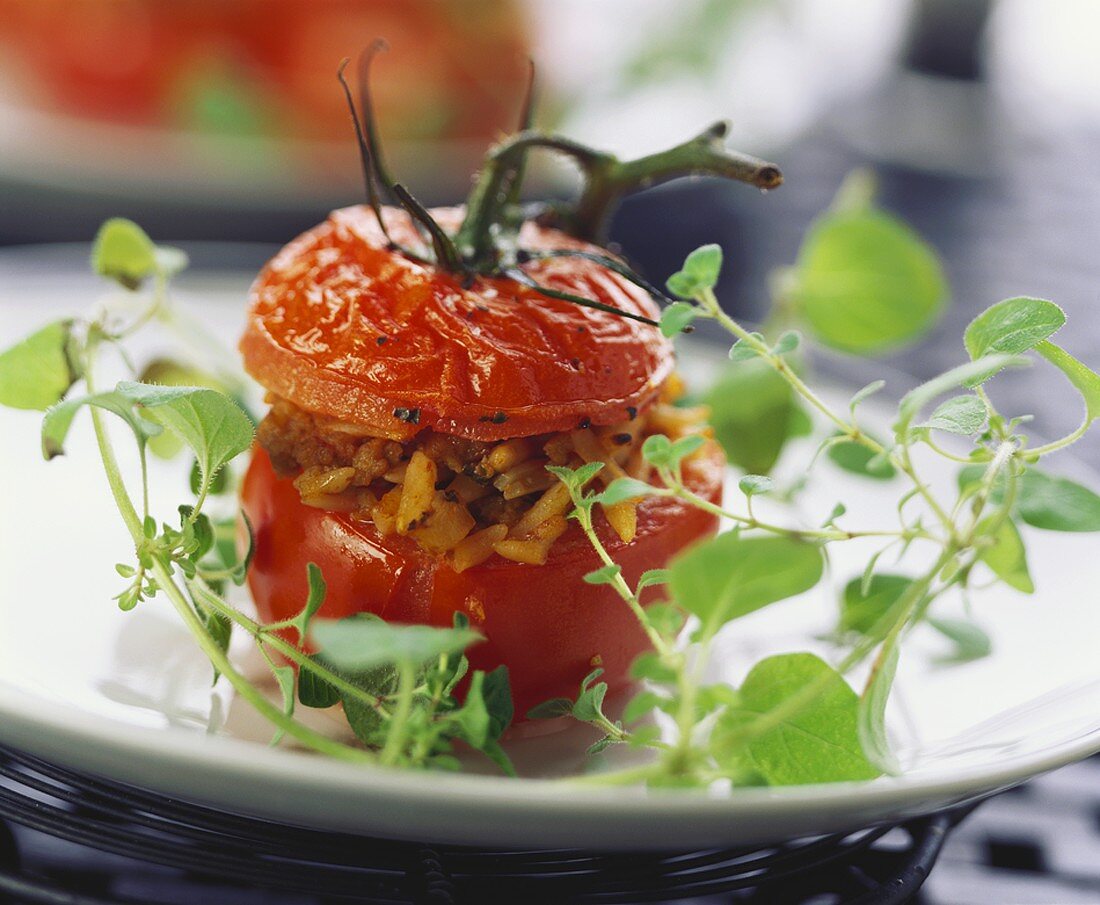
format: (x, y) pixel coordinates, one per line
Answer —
(343, 325)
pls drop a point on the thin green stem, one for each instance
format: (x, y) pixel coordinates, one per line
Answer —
(166, 581)
(584, 517)
(242, 686)
(939, 450)
(266, 634)
(850, 429)
(395, 739)
(1047, 448)
(833, 534)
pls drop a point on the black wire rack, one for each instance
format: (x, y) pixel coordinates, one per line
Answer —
(67, 838)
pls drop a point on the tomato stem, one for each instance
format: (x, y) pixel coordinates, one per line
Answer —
(606, 180)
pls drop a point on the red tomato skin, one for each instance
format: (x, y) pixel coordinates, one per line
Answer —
(544, 623)
(341, 325)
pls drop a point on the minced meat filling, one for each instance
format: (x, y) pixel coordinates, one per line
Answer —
(462, 498)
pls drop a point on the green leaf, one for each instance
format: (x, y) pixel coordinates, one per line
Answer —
(837, 511)
(815, 743)
(473, 716)
(704, 264)
(367, 724)
(680, 284)
(218, 486)
(38, 371)
(858, 459)
(716, 696)
(358, 644)
(683, 448)
(497, 692)
(970, 640)
(652, 577)
(284, 675)
(589, 705)
(641, 704)
(240, 567)
(970, 374)
(730, 575)
(215, 428)
(656, 449)
(1081, 376)
(862, 605)
(864, 393)
(622, 489)
(218, 627)
(601, 745)
(1007, 558)
(964, 415)
(743, 351)
(493, 750)
(871, 718)
(313, 691)
(699, 272)
(606, 575)
(865, 282)
(788, 342)
(201, 531)
(1056, 504)
(575, 479)
(59, 419)
(122, 251)
(752, 484)
(551, 709)
(1013, 327)
(676, 317)
(590, 678)
(753, 412)
(314, 600)
(649, 665)
(169, 372)
(666, 619)
(1044, 500)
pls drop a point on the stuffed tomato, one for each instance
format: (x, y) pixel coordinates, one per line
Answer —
(414, 412)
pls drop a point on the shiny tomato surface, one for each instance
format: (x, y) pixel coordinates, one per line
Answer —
(341, 325)
(543, 622)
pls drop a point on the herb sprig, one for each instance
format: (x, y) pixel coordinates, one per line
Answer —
(795, 719)
(396, 683)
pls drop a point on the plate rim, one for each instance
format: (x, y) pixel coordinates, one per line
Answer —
(190, 765)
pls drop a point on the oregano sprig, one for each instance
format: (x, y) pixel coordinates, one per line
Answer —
(714, 582)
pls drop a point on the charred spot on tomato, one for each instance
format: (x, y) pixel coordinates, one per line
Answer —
(409, 416)
(495, 418)
(575, 363)
(382, 340)
(631, 412)
(584, 424)
(622, 439)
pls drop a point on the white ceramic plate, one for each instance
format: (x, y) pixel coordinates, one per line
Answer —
(126, 695)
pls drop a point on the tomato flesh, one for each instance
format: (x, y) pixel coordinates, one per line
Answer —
(544, 622)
